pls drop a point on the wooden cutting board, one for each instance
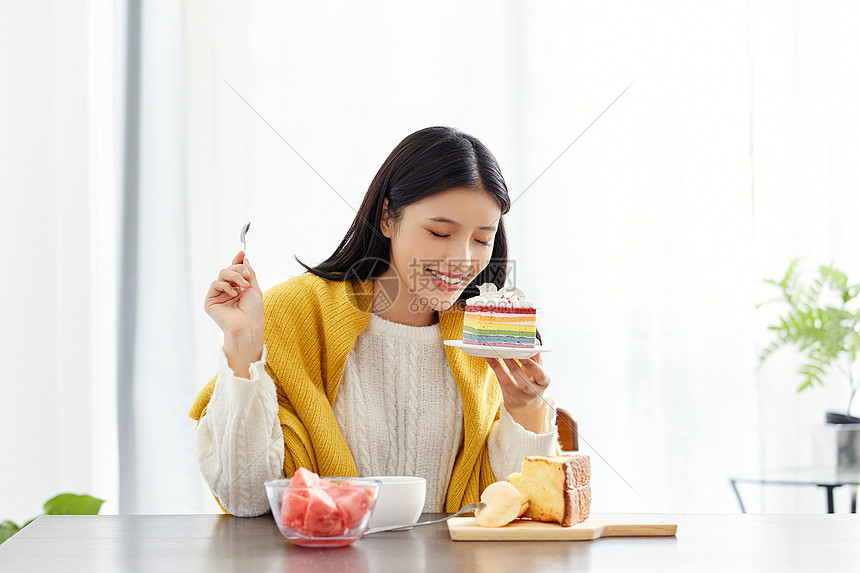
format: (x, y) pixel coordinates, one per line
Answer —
(464, 529)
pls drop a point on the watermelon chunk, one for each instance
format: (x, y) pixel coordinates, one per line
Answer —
(323, 518)
(353, 503)
(304, 478)
(294, 508)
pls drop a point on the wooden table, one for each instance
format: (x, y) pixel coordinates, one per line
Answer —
(210, 543)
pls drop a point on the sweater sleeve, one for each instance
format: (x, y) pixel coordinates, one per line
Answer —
(508, 442)
(240, 444)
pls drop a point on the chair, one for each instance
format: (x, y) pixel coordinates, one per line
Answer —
(567, 431)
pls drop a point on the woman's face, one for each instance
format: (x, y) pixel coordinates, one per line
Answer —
(439, 245)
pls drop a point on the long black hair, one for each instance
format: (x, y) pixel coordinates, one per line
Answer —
(427, 162)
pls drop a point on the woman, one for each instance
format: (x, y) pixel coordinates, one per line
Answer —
(346, 370)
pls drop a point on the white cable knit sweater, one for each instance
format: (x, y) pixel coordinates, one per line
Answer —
(398, 408)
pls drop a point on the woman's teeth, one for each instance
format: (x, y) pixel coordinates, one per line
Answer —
(446, 279)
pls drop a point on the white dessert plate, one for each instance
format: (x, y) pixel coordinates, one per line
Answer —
(497, 351)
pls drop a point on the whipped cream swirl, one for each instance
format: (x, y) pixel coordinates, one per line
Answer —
(509, 296)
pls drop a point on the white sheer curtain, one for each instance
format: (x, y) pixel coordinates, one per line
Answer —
(727, 158)
(806, 134)
(342, 87)
(644, 242)
(158, 470)
(637, 242)
(58, 196)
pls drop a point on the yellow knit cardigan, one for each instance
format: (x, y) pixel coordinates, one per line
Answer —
(311, 326)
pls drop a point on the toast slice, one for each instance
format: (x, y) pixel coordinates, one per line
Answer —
(558, 488)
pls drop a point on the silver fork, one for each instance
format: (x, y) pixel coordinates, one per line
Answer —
(465, 509)
(243, 234)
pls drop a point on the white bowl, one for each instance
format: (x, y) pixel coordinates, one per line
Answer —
(400, 500)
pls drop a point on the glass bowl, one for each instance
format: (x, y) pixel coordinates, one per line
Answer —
(334, 513)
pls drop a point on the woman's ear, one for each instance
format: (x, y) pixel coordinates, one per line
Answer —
(385, 220)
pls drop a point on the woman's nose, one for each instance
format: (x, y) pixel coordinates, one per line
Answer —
(459, 257)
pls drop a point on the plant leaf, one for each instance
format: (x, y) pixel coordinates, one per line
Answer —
(7, 530)
(769, 349)
(789, 274)
(73, 504)
(821, 333)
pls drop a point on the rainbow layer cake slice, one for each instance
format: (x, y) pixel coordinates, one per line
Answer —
(499, 318)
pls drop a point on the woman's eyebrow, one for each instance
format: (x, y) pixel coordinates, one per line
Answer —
(456, 224)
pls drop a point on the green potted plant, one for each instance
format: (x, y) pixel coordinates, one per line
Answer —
(822, 321)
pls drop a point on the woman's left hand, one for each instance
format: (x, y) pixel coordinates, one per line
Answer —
(523, 383)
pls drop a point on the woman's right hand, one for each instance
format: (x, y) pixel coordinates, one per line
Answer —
(235, 303)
